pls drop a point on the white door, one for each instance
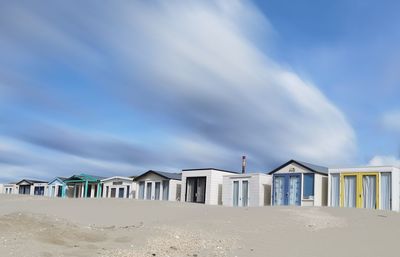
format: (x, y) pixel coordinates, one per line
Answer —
(369, 191)
(235, 193)
(386, 191)
(350, 194)
(240, 193)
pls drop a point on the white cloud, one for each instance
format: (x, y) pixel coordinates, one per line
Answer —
(198, 70)
(202, 62)
(382, 160)
(391, 121)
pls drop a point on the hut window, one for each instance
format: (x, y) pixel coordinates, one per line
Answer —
(386, 191)
(308, 189)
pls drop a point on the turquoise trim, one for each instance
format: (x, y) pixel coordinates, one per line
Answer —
(86, 188)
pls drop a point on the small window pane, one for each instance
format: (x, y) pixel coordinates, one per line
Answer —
(308, 189)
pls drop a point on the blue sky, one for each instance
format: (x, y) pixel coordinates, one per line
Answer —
(123, 87)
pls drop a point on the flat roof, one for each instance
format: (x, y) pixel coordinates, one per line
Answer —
(235, 172)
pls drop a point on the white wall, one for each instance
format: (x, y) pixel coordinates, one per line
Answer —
(395, 172)
(173, 190)
(213, 184)
(125, 183)
(396, 189)
(45, 185)
(53, 189)
(258, 183)
(153, 178)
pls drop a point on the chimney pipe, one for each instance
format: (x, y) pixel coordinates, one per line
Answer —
(243, 164)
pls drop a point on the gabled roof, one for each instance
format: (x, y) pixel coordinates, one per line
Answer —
(59, 179)
(31, 181)
(311, 167)
(166, 175)
(84, 177)
(212, 169)
(118, 177)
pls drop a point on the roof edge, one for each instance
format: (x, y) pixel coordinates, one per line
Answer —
(235, 172)
(298, 163)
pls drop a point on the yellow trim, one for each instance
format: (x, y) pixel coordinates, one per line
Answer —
(359, 192)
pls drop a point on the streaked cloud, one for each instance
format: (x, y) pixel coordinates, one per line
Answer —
(197, 72)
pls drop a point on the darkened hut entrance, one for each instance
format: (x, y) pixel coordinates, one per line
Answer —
(196, 189)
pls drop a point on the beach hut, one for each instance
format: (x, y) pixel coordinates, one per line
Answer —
(57, 187)
(203, 185)
(84, 186)
(299, 183)
(31, 187)
(365, 187)
(158, 185)
(118, 187)
(246, 190)
(10, 188)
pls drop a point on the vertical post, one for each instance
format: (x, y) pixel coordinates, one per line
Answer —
(86, 188)
(98, 190)
(63, 191)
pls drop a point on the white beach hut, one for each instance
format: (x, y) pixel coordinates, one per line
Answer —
(300, 183)
(10, 188)
(57, 187)
(32, 187)
(158, 185)
(118, 187)
(246, 190)
(365, 187)
(203, 185)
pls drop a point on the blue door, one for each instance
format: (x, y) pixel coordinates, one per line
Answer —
(287, 189)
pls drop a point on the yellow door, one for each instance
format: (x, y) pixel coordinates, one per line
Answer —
(359, 190)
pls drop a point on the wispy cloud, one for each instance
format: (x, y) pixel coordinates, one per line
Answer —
(382, 160)
(196, 70)
(391, 121)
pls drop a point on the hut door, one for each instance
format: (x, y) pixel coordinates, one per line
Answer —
(235, 193)
(279, 190)
(369, 191)
(157, 191)
(245, 193)
(294, 190)
(350, 191)
(241, 193)
(148, 190)
(360, 190)
(196, 189)
(287, 189)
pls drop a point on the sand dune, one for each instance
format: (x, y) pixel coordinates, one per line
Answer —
(32, 226)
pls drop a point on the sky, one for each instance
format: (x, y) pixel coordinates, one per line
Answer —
(120, 87)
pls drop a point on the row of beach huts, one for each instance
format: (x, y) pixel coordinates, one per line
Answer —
(293, 183)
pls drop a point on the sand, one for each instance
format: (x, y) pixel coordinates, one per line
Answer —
(38, 226)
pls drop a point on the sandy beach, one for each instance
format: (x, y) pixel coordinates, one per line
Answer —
(31, 226)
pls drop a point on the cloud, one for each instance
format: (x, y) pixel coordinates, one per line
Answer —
(391, 121)
(383, 160)
(196, 70)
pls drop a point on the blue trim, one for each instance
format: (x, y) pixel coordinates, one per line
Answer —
(286, 187)
(58, 180)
